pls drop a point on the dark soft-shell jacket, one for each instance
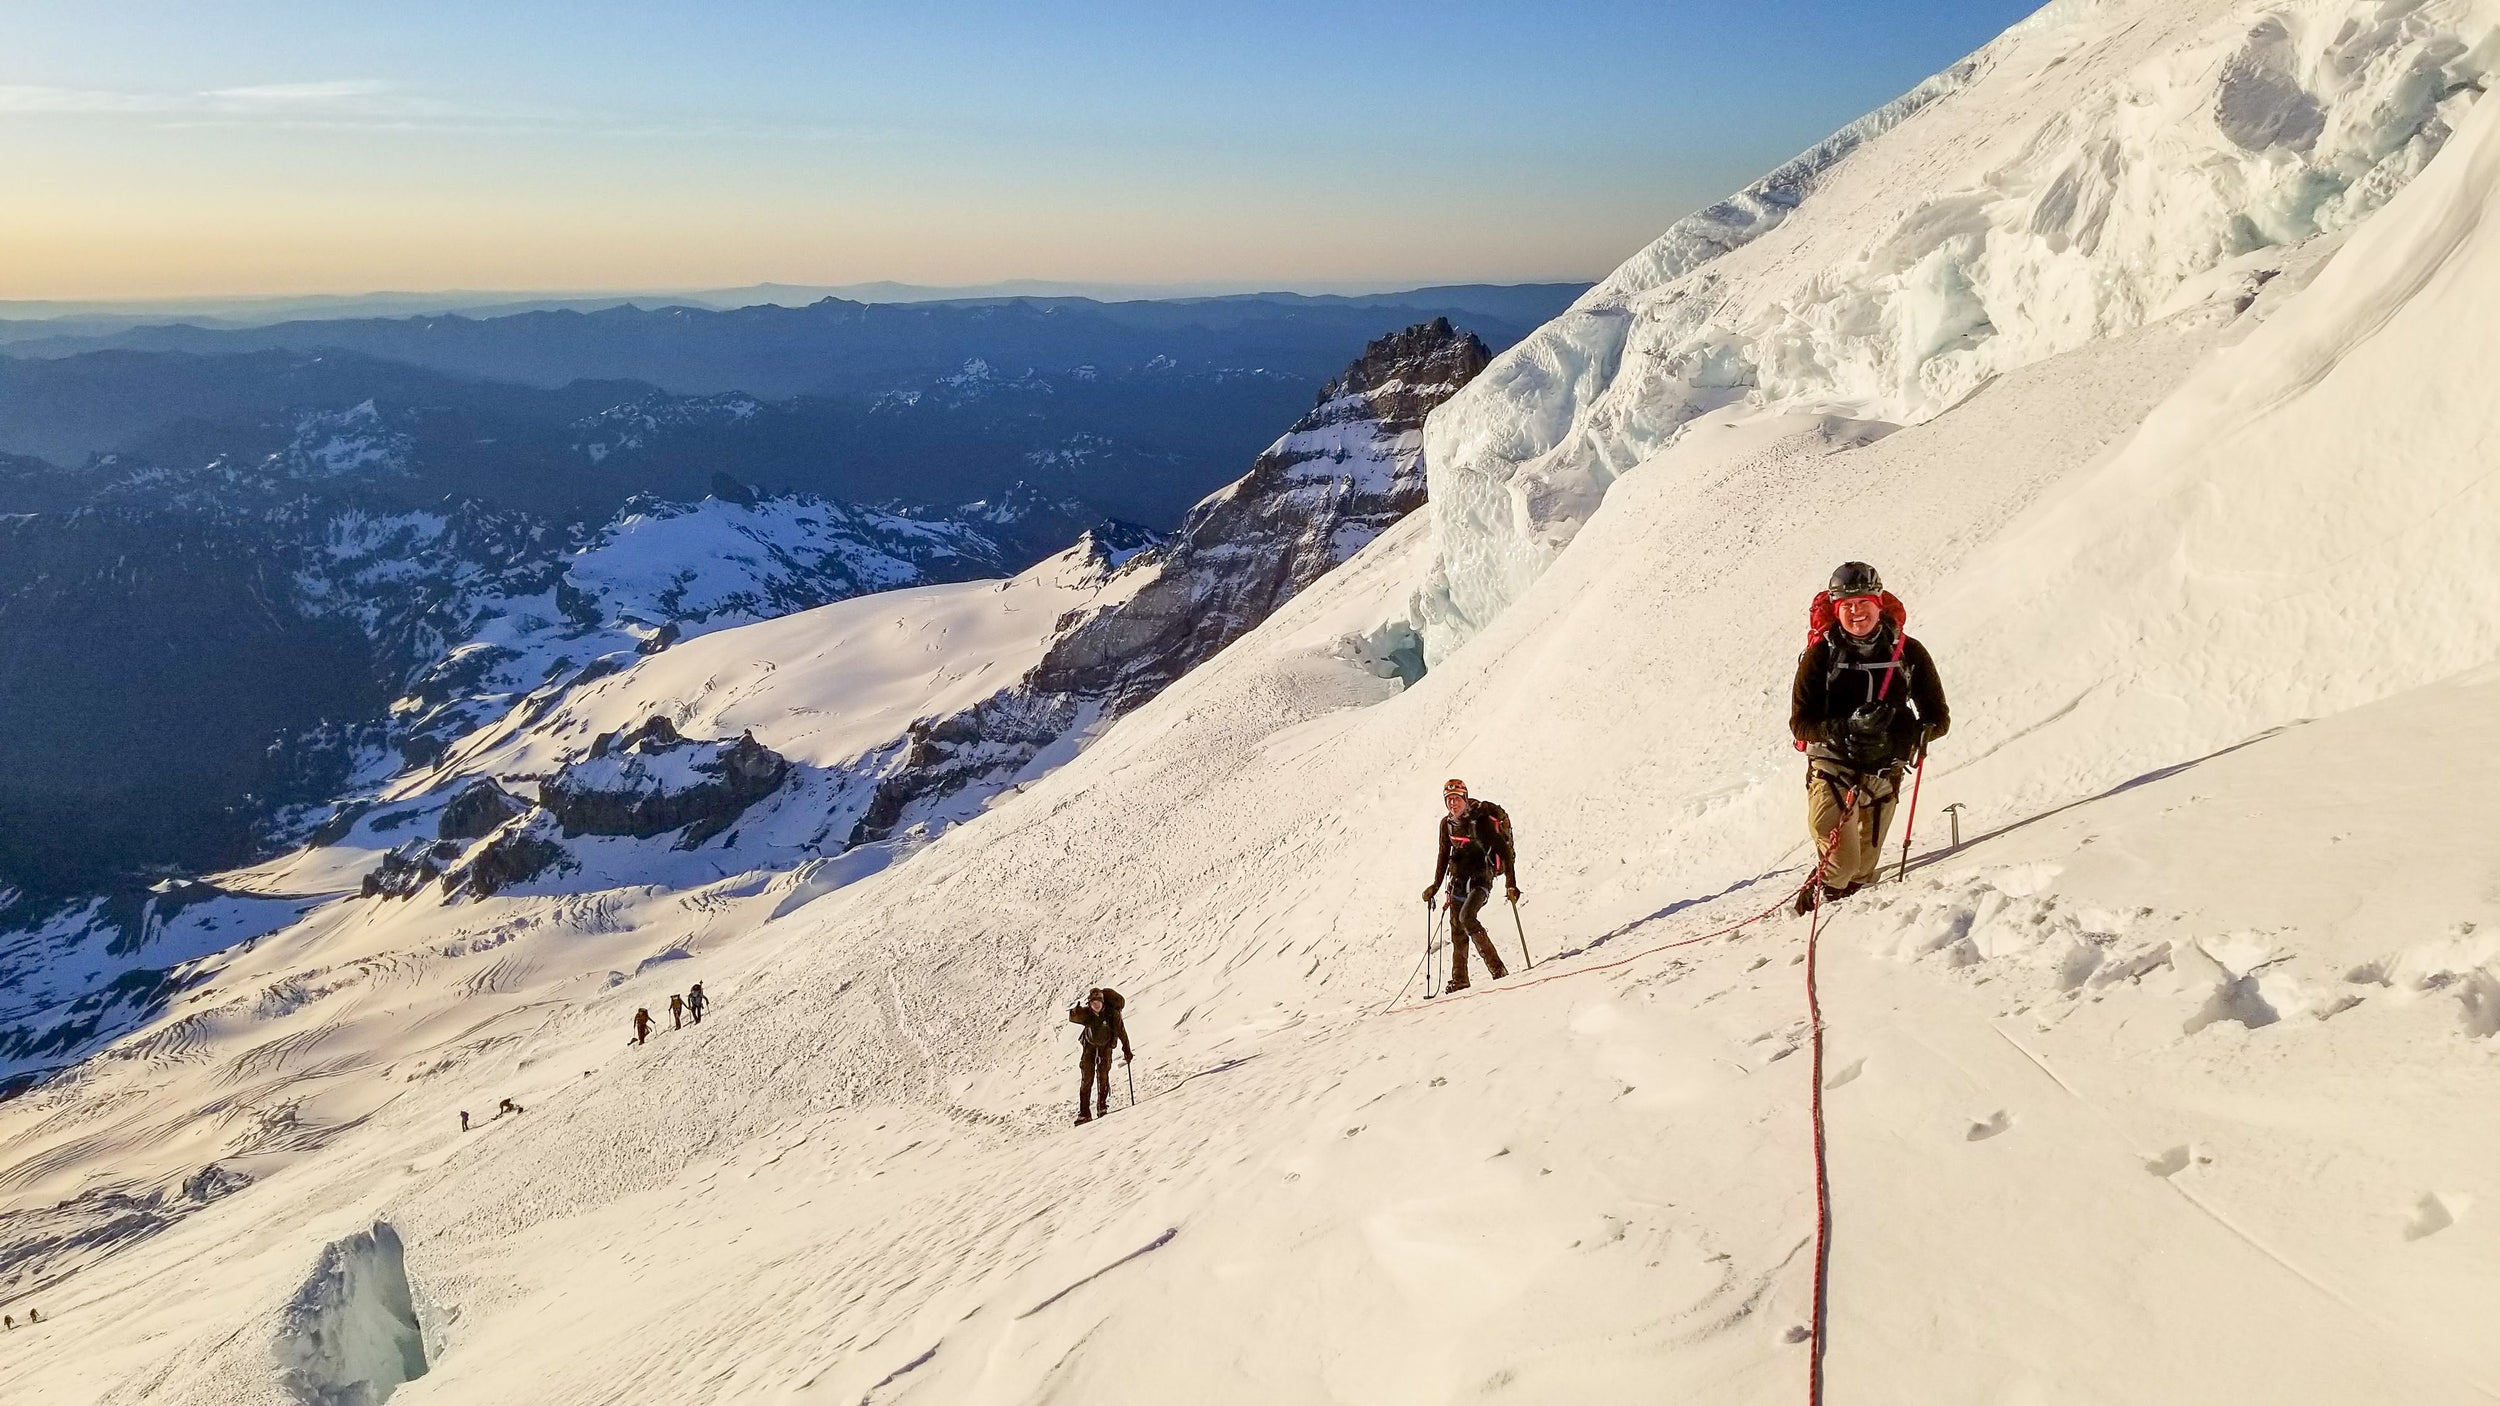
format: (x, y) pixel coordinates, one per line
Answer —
(1473, 846)
(1101, 1031)
(1838, 674)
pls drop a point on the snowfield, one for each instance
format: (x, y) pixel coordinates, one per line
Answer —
(2172, 1083)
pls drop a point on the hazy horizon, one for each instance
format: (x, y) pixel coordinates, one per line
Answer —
(284, 148)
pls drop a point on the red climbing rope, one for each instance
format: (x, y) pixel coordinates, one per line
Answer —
(1814, 1022)
(1822, 1170)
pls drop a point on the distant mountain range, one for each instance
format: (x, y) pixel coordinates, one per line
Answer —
(839, 347)
(24, 320)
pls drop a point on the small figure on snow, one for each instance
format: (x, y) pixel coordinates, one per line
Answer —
(1475, 846)
(1103, 1027)
(464, 1120)
(696, 1001)
(642, 1025)
(1865, 705)
(508, 1106)
(676, 1012)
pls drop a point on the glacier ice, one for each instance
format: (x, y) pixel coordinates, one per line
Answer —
(2057, 187)
(350, 1338)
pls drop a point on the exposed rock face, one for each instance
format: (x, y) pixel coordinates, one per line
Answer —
(1344, 474)
(476, 812)
(409, 868)
(649, 780)
(523, 849)
(479, 810)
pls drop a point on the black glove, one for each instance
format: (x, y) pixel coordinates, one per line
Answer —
(1430, 890)
(1866, 735)
(1872, 721)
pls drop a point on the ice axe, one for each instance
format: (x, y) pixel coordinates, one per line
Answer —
(1522, 931)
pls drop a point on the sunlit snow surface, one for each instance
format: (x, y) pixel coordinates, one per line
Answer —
(2100, 163)
(2172, 1084)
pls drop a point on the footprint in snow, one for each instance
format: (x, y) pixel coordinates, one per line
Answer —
(1845, 1074)
(2170, 1163)
(1996, 1123)
(2433, 1214)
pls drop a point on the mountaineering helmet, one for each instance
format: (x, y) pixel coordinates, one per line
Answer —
(1855, 578)
(1453, 787)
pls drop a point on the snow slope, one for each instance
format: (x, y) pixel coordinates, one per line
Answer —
(2171, 1084)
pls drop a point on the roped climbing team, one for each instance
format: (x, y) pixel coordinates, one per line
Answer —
(1864, 707)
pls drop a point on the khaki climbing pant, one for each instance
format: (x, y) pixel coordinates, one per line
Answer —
(1858, 850)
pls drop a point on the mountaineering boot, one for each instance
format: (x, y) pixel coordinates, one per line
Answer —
(1456, 984)
(1083, 1118)
(1805, 899)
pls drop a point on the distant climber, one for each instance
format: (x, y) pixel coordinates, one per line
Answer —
(464, 1120)
(676, 1012)
(1865, 706)
(642, 1025)
(696, 1001)
(1475, 846)
(1103, 1027)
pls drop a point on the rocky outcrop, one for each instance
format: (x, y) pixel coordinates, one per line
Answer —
(408, 869)
(1344, 474)
(650, 780)
(478, 810)
(522, 850)
(1339, 478)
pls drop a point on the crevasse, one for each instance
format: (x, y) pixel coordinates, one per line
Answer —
(2063, 184)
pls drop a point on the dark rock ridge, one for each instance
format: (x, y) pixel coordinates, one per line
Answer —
(409, 868)
(1344, 474)
(650, 780)
(522, 850)
(477, 810)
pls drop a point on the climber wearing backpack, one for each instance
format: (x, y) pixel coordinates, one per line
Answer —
(1865, 706)
(1475, 846)
(1099, 1014)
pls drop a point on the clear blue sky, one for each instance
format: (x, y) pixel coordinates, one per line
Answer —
(256, 146)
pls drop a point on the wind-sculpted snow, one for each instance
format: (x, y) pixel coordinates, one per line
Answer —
(2091, 168)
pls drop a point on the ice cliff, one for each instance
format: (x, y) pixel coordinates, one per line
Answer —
(2095, 166)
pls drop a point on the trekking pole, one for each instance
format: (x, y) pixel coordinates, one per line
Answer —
(1131, 1066)
(1909, 826)
(1430, 946)
(1523, 934)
